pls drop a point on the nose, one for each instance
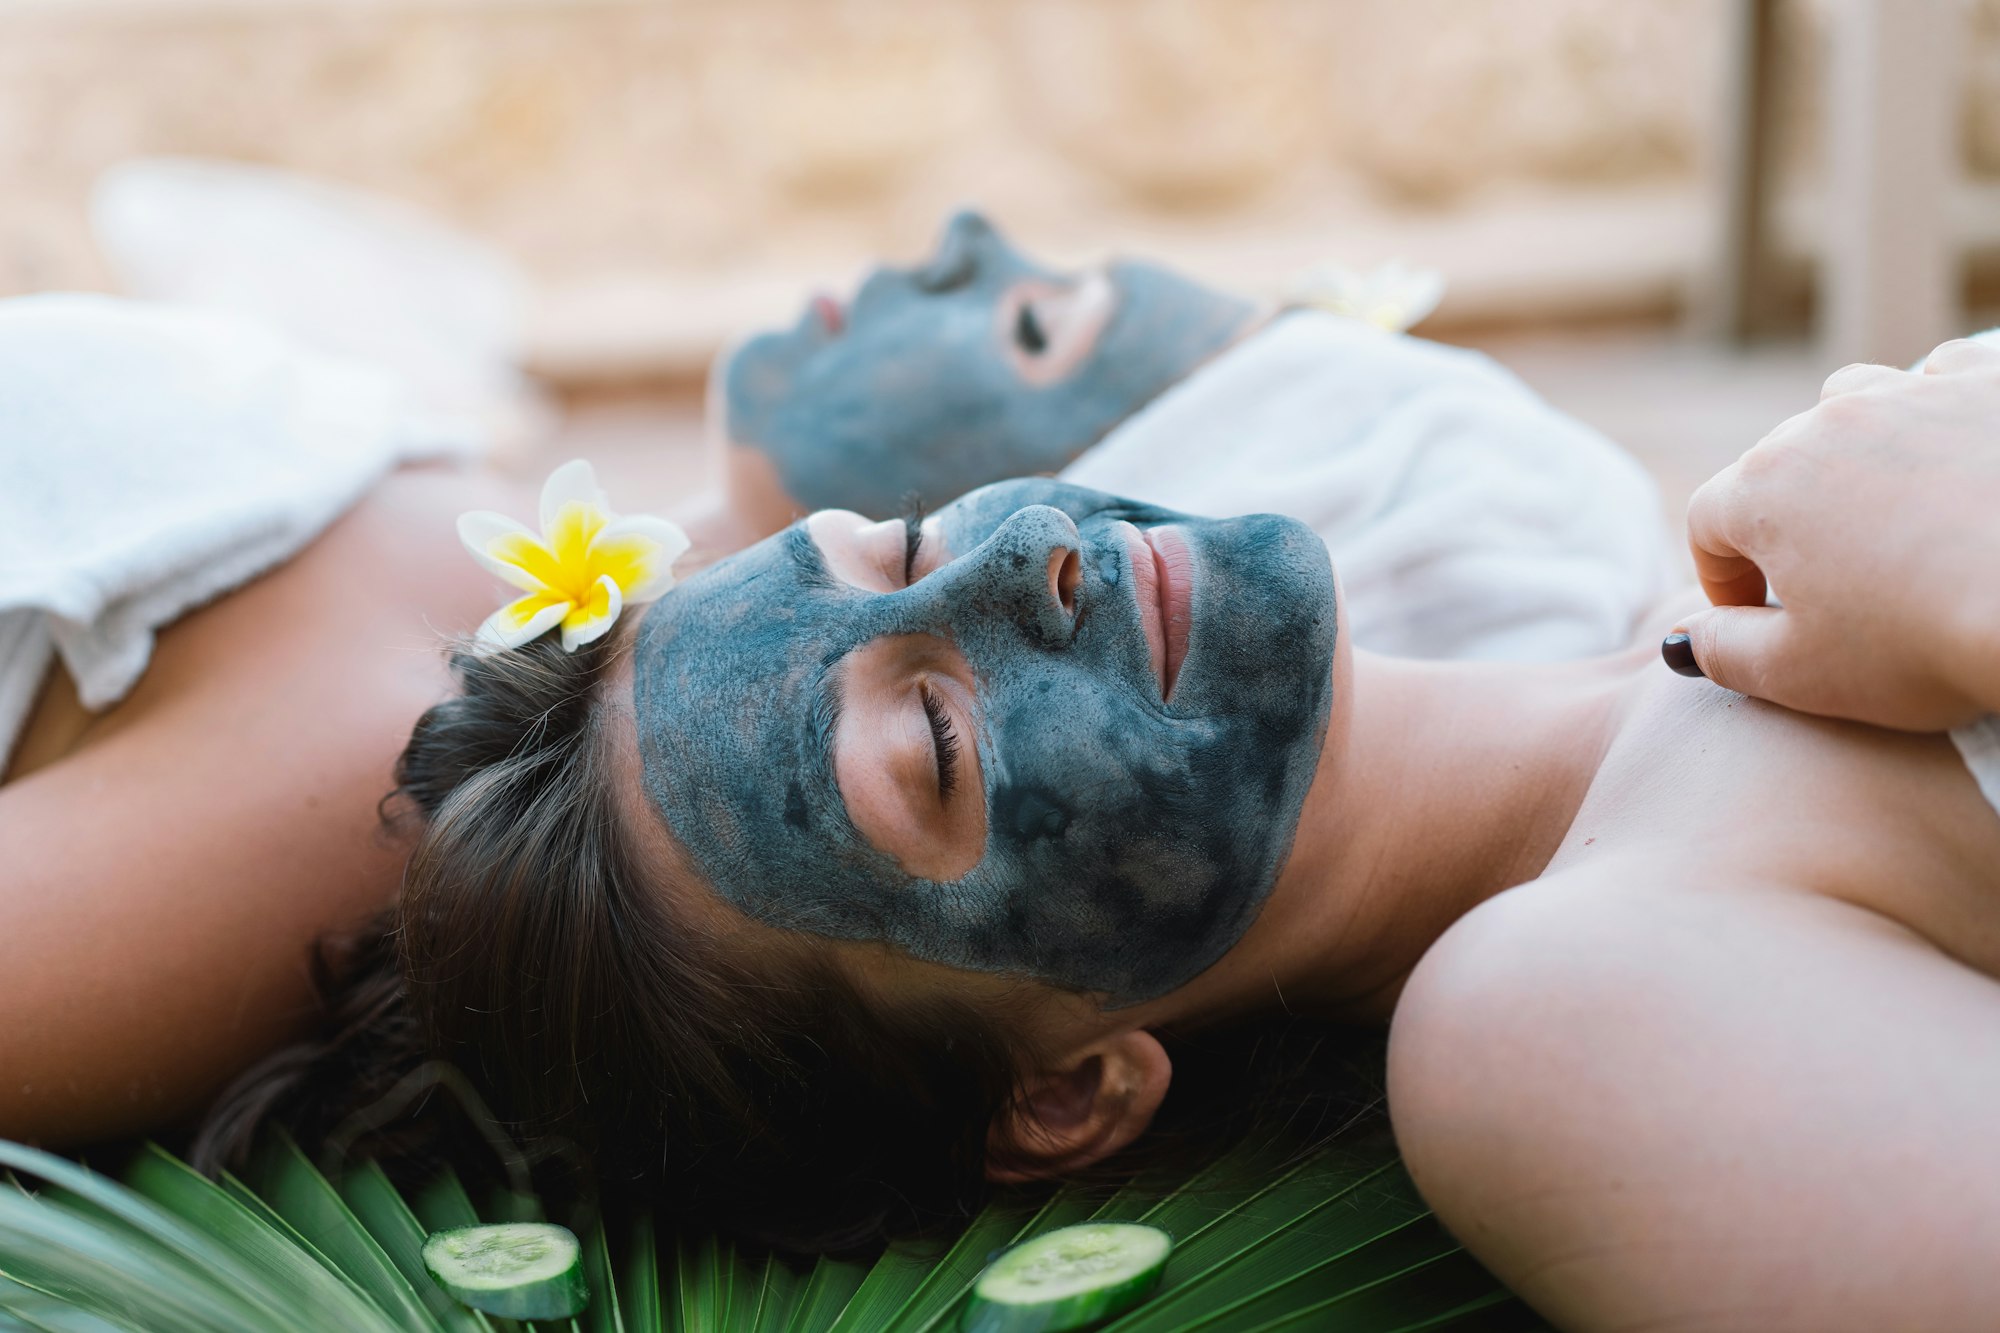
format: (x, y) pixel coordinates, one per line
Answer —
(956, 260)
(1028, 571)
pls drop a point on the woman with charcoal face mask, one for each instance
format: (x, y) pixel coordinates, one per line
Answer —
(219, 584)
(1469, 519)
(880, 862)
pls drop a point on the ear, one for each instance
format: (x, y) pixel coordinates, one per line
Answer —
(1101, 1098)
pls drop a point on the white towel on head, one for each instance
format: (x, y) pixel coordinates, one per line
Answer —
(152, 459)
(1467, 518)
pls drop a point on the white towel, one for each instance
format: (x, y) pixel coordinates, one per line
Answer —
(152, 459)
(1979, 745)
(1467, 518)
(1978, 741)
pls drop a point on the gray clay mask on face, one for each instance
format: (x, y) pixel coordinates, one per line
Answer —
(1130, 842)
(919, 394)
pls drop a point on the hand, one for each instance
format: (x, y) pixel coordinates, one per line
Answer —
(1875, 517)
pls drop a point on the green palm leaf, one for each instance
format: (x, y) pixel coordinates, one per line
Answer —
(1337, 1240)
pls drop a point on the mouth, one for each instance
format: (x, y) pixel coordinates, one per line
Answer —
(1163, 581)
(832, 316)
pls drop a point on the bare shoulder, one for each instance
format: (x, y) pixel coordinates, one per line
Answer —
(347, 632)
(166, 880)
(1646, 1094)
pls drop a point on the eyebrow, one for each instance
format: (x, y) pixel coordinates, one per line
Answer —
(806, 555)
(912, 518)
(829, 701)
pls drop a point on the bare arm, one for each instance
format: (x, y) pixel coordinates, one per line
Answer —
(1654, 1104)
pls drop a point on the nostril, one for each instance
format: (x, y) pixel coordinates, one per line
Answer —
(1065, 572)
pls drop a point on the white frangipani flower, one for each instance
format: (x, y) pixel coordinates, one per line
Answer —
(582, 569)
(1393, 295)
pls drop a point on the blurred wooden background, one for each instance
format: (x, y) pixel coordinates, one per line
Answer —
(671, 173)
(672, 170)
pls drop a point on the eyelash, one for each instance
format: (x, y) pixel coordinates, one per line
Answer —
(1028, 332)
(913, 541)
(944, 739)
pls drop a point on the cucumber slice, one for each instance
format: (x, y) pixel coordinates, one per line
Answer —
(519, 1270)
(1070, 1278)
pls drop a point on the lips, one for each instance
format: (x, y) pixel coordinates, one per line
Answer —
(1162, 580)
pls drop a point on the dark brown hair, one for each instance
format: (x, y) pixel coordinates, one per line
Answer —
(537, 966)
(533, 952)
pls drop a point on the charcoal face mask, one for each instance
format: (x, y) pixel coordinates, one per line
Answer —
(916, 398)
(1129, 842)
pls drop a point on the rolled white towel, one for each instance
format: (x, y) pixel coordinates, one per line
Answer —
(152, 459)
(1467, 518)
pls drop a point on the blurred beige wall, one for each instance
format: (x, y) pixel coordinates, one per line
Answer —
(584, 136)
(716, 153)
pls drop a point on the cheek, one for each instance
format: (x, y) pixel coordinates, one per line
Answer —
(759, 375)
(1085, 773)
(902, 401)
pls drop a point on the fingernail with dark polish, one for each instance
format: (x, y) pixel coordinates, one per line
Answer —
(1677, 651)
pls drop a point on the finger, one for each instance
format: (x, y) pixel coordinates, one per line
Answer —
(1961, 355)
(1754, 650)
(1861, 375)
(1729, 574)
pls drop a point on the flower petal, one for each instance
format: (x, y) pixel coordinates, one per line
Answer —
(575, 482)
(530, 553)
(1394, 295)
(487, 535)
(638, 552)
(1404, 296)
(592, 620)
(568, 537)
(524, 619)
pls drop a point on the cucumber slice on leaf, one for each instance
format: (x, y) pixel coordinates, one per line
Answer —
(1070, 1278)
(518, 1270)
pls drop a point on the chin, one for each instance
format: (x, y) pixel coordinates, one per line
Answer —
(751, 379)
(1266, 609)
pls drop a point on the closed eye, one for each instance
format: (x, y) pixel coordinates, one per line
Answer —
(944, 741)
(913, 541)
(1048, 327)
(1029, 334)
(906, 752)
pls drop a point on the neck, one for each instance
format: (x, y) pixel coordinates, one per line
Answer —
(1440, 785)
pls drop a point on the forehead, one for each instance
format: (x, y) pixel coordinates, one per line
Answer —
(671, 869)
(732, 669)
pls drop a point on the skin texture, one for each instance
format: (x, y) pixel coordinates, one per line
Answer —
(1725, 1059)
(1722, 1060)
(171, 861)
(1726, 1063)
(1870, 516)
(930, 384)
(1129, 839)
